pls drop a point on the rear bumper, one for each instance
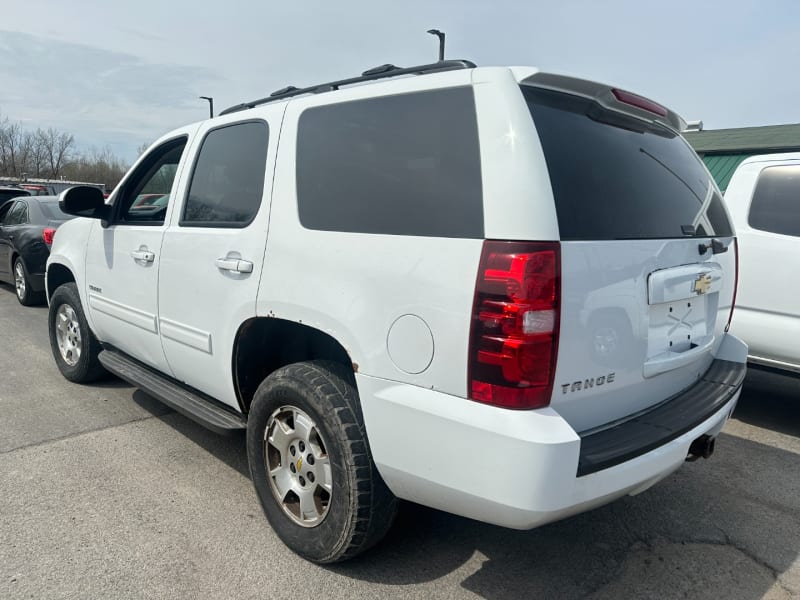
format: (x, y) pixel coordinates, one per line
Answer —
(519, 469)
(662, 423)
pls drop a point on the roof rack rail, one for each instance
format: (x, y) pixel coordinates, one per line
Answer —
(380, 72)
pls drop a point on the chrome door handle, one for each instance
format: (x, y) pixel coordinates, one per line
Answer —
(236, 265)
(143, 255)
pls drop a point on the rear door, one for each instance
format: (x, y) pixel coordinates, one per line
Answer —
(645, 299)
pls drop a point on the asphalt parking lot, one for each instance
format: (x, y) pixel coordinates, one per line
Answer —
(105, 493)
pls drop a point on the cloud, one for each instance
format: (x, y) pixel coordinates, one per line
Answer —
(100, 96)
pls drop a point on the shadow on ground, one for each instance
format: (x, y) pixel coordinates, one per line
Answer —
(723, 527)
(771, 400)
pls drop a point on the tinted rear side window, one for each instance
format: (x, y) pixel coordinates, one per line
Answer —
(404, 165)
(228, 179)
(776, 201)
(616, 177)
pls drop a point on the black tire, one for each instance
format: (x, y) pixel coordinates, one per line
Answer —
(25, 295)
(360, 508)
(87, 367)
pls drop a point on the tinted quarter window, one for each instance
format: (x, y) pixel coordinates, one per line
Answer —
(228, 179)
(407, 165)
(618, 177)
(776, 201)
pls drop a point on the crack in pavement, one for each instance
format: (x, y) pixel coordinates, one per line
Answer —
(81, 433)
(650, 543)
(752, 556)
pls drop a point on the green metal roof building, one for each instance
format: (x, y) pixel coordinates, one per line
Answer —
(724, 149)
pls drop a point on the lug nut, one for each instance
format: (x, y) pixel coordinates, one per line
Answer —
(302, 446)
(310, 459)
(292, 451)
(302, 480)
(310, 476)
(292, 468)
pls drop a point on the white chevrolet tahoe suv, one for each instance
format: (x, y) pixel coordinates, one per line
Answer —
(498, 292)
(764, 201)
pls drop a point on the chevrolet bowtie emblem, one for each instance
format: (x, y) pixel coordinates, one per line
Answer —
(703, 283)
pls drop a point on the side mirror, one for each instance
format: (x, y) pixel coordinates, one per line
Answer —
(85, 201)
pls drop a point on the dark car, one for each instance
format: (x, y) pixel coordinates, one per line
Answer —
(27, 227)
(7, 192)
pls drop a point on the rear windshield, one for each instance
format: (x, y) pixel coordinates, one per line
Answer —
(617, 177)
(51, 211)
(8, 194)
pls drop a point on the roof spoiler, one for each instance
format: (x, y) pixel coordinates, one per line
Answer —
(608, 97)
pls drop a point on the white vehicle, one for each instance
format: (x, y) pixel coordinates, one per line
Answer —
(494, 291)
(764, 202)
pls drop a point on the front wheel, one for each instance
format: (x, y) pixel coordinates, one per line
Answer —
(74, 346)
(311, 464)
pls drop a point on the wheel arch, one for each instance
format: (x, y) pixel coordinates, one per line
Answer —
(265, 344)
(57, 275)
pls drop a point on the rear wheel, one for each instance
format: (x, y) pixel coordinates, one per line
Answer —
(311, 464)
(22, 285)
(74, 346)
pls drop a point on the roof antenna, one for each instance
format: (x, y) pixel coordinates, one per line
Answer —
(440, 35)
(210, 105)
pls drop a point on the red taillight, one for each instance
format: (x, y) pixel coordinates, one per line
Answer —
(735, 282)
(639, 102)
(515, 317)
(48, 234)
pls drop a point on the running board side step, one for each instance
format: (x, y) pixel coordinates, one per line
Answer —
(203, 410)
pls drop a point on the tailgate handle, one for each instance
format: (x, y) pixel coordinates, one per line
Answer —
(668, 361)
(236, 265)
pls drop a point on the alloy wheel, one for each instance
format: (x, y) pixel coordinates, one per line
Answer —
(298, 466)
(68, 334)
(19, 280)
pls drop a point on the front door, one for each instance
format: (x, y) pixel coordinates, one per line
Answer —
(122, 260)
(213, 252)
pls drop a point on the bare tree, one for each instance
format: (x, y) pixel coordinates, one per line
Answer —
(39, 156)
(59, 146)
(50, 153)
(10, 142)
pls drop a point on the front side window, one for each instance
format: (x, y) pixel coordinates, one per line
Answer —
(228, 179)
(146, 194)
(776, 201)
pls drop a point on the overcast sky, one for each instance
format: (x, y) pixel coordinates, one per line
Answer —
(120, 73)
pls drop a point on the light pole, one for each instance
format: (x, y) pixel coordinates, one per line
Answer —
(440, 35)
(210, 105)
